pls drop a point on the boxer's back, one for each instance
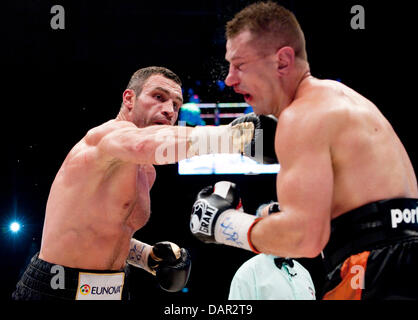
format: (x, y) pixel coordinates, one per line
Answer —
(95, 205)
(368, 159)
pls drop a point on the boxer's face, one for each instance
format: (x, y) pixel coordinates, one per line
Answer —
(158, 103)
(251, 73)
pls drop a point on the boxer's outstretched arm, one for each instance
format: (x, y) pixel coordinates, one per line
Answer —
(304, 189)
(164, 144)
(150, 145)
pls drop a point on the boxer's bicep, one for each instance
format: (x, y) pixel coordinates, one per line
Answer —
(305, 183)
(304, 190)
(151, 145)
(127, 145)
(138, 145)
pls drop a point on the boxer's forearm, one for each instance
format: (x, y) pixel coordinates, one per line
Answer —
(169, 144)
(161, 144)
(284, 235)
(172, 144)
(219, 139)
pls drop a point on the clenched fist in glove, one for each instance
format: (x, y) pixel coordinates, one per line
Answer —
(217, 217)
(165, 260)
(261, 146)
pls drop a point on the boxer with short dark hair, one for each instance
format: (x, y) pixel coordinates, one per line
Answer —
(344, 174)
(100, 195)
(100, 198)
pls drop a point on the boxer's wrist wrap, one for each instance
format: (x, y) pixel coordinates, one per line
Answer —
(253, 249)
(219, 139)
(138, 255)
(233, 228)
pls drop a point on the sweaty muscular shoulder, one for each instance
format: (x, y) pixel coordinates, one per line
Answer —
(368, 160)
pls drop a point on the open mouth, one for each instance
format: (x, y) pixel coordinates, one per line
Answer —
(161, 123)
(248, 97)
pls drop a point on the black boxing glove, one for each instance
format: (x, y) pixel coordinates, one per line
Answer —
(217, 217)
(261, 148)
(170, 264)
(272, 207)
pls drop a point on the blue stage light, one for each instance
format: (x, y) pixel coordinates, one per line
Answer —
(14, 227)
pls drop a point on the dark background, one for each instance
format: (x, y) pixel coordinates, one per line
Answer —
(56, 84)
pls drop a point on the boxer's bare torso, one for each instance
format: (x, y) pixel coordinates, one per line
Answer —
(367, 159)
(95, 205)
(337, 152)
(100, 196)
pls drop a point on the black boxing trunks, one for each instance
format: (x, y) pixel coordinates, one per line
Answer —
(45, 281)
(372, 253)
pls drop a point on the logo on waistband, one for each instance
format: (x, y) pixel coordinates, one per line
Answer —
(100, 286)
(85, 289)
(406, 216)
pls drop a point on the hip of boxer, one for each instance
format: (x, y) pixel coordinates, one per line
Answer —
(45, 281)
(372, 253)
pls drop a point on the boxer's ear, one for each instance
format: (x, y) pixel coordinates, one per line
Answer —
(285, 58)
(128, 98)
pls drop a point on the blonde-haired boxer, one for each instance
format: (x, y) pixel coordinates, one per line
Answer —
(100, 196)
(346, 184)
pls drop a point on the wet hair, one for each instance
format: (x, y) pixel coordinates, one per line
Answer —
(272, 26)
(138, 79)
